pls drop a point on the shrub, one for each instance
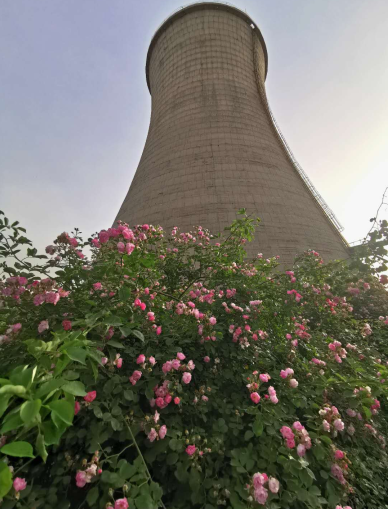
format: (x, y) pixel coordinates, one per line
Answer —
(170, 372)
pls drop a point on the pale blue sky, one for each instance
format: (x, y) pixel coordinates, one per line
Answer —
(75, 108)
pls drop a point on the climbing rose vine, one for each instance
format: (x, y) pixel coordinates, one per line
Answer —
(141, 370)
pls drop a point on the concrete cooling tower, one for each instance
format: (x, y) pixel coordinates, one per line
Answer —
(213, 146)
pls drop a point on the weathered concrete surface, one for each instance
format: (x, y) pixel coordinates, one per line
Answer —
(211, 148)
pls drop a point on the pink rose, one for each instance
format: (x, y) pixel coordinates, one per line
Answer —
(90, 396)
(206, 359)
(339, 425)
(261, 495)
(19, 484)
(191, 365)
(66, 324)
(77, 407)
(152, 435)
(190, 449)
(255, 397)
(44, 325)
(264, 377)
(273, 485)
(339, 454)
(181, 356)
(81, 478)
(152, 361)
(186, 378)
(121, 503)
(129, 247)
(177, 400)
(158, 330)
(97, 286)
(162, 432)
(212, 320)
(301, 450)
(140, 359)
(293, 383)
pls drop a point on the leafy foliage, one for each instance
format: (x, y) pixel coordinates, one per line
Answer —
(169, 372)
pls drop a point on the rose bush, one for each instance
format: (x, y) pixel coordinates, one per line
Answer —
(170, 372)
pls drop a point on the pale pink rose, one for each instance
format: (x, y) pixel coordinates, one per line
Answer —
(258, 480)
(52, 298)
(261, 495)
(186, 378)
(120, 247)
(293, 383)
(325, 425)
(301, 450)
(298, 426)
(162, 432)
(191, 365)
(81, 479)
(339, 425)
(273, 485)
(104, 360)
(176, 363)
(121, 503)
(19, 484)
(44, 325)
(152, 361)
(181, 356)
(129, 247)
(212, 320)
(152, 435)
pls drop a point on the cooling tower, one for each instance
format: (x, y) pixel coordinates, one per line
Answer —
(213, 146)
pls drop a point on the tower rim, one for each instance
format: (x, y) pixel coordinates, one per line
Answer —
(196, 7)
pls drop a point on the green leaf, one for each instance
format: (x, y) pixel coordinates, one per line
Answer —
(18, 449)
(52, 433)
(74, 388)
(64, 410)
(40, 447)
(50, 386)
(5, 479)
(126, 330)
(145, 502)
(115, 344)
(4, 403)
(248, 435)
(124, 293)
(76, 354)
(12, 423)
(138, 335)
(172, 458)
(92, 496)
(258, 427)
(29, 410)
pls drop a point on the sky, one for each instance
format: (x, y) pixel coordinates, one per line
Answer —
(75, 108)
